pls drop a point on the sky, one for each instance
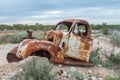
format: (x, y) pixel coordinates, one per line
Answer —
(52, 11)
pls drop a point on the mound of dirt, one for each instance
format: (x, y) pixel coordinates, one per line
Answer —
(106, 46)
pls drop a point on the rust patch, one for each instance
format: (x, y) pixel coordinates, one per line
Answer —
(35, 45)
(84, 50)
(55, 36)
(11, 56)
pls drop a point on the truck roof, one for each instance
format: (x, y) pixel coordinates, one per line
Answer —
(77, 20)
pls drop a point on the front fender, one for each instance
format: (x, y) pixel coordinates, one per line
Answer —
(28, 46)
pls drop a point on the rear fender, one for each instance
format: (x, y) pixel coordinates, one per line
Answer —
(28, 46)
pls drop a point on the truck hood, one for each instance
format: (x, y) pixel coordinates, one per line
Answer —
(54, 36)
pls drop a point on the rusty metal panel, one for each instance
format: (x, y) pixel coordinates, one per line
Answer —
(78, 49)
(11, 56)
(28, 46)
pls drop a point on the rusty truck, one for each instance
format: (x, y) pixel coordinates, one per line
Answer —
(68, 43)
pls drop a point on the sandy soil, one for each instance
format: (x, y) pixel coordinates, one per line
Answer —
(4, 49)
(7, 70)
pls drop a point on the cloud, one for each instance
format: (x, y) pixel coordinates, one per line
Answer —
(51, 11)
(48, 14)
(3, 17)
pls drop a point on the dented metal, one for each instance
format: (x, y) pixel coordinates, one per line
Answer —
(66, 41)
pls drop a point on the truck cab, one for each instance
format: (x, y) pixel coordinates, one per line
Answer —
(73, 37)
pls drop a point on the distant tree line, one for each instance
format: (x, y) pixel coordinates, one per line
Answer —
(105, 25)
(38, 26)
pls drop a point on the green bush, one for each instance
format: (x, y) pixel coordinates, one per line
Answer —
(37, 71)
(95, 56)
(76, 75)
(110, 78)
(114, 58)
(17, 36)
(109, 64)
(115, 38)
(104, 28)
(112, 61)
(13, 38)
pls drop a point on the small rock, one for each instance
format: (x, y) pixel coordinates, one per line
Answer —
(99, 65)
(20, 70)
(85, 79)
(64, 74)
(3, 73)
(69, 75)
(89, 71)
(72, 69)
(60, 65)
(100, 79)
(93, 78)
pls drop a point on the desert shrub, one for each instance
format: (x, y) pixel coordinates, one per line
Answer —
(76, 75)
(2, 41)
(114, 58)
(12, 38)
(115, 38)
(109, 65)
(110, 78)
(105, 28)
(37, 71)
(112, 61)
(16, 37)
(95, 56)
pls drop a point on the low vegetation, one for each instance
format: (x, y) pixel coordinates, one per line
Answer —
(16, 37)
(76, 75)
(38, 26)
(112, 61)
(95, 56)
(35, 70)
(105, 29)
(114, 58)
(110, 78)
(115, 38)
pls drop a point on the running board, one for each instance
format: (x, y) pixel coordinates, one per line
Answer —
(78, 63)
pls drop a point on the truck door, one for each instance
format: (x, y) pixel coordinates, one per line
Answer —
(79, 43)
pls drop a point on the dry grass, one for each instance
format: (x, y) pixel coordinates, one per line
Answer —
(16, 36)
